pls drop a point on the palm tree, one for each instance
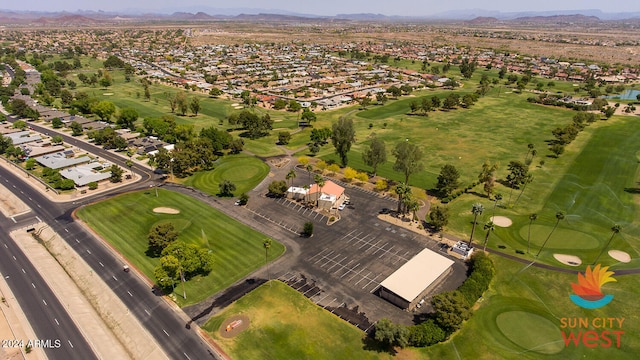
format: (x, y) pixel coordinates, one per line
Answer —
(489, 227)
(614, 230)
(306, 194)
(498, 197)
(527, 180)
(476, 209)
(559, 216)
(309, 168)
(533, 217)
(267, 246)
(530, 147)
(402, 190)
(320, 181)
(290, 176)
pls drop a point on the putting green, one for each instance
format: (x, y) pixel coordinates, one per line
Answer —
(532, 332)
(244, 171)
(560, 239)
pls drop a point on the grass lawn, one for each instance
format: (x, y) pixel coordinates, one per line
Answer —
(287, 325)
(520, 317)
(243, 170)
(593, 184)
(237, 248)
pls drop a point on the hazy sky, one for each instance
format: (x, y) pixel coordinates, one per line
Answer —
(328, 7)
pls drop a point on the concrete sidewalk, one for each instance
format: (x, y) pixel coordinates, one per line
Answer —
(105, 321)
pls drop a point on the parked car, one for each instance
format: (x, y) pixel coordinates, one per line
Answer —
(342, 206)
(385, 211)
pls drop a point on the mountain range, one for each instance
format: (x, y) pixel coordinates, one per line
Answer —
(247, 14)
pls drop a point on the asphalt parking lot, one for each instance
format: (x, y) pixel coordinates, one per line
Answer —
(342, 265)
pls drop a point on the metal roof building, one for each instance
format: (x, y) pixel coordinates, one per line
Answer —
(413, 280)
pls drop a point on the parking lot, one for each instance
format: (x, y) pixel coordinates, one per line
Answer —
(342, 265)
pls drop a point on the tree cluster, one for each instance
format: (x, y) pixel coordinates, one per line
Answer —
(255, 126)
(565, 135)
(53, 178)
(278, 188)
(20, 108)
(180, 260)
(108, 138)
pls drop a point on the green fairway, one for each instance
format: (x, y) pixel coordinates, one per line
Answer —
(243, 170)
(124, 221)
(592, 183)
(520, 317)
(287, 325)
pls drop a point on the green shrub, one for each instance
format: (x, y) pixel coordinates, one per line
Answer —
(426, 334)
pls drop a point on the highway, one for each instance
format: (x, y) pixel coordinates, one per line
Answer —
(163, 322)
(48, 317)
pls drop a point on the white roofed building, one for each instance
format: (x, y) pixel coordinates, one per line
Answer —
(413, 280)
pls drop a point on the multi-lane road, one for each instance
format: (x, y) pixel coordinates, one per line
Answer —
(162, 321)
(55, 330)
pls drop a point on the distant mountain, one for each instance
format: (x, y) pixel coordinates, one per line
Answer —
(362, 17)
(200, 13)
(557, 19)
(481, 20)
(476, 13)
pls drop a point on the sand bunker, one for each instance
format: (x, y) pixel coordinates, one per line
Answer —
(570, 260)
(107, 94)
(166, 210)
(620, 256)
(234, 325)
(501, 221)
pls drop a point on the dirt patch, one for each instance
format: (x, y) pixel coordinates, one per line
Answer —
(570, 260)
(501, 221)
(234, 325)
(404, 223)
(166, 210)
(620, 256)
(279, 162)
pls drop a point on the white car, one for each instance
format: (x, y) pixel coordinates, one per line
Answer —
(342, 206)
(237, 203)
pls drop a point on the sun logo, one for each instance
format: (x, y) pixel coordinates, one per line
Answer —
(587, 291)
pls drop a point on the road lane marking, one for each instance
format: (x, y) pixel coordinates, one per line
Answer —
(67, 230)
(101, 264)
(14, 258)
(38, 217)
(115, 278)
(33, 285)
(45, 303)
(148, 313)
(130, 294)
(89, 251)
(5, 245)
(165, 331)
(14, 220)
(187, 356)
(56, 320)
(78, 241)
(24, 272)
(70, 343)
